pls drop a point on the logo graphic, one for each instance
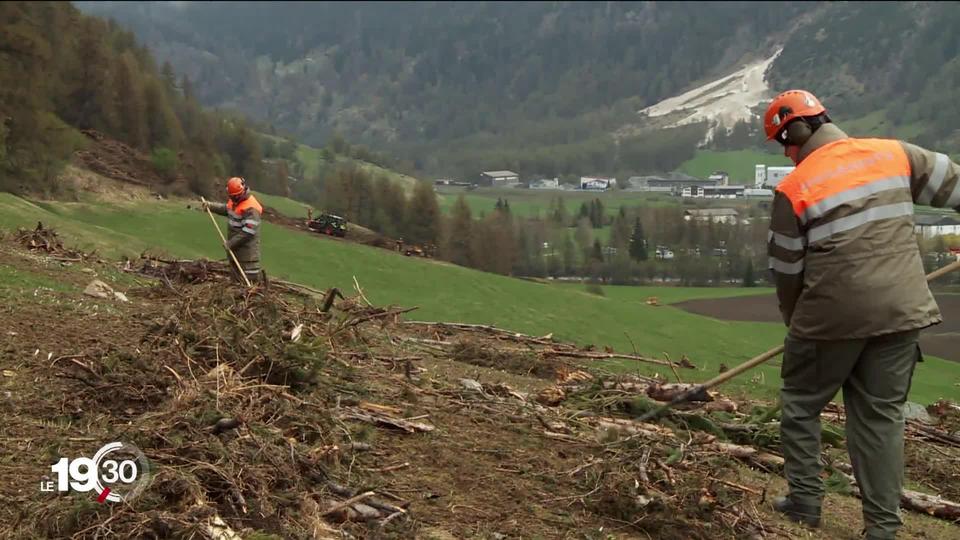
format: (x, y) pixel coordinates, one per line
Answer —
(120, 477)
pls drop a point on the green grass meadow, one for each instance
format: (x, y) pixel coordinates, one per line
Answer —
(310, 158)
(442, 291)
(739, 164)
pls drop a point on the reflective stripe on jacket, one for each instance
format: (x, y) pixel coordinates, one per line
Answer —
(243, 231)
(842, 247)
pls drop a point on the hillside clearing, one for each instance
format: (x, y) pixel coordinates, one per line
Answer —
(442, 291)
(444, 430)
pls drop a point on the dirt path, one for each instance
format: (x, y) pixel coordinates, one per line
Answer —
(942, 340)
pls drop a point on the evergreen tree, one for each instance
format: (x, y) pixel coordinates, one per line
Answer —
(163, 127)
(459, 238)
(423, 215)
(281, 184)
(748, 279)
(130, 102)
(596, 254)
(620, 232)
(169, 79)
(91, 104)
(584, 211)
(186, 87)
(569, 252)
(638, 243)
(391, 202)
(560, 213)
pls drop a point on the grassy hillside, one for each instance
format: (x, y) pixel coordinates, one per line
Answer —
(672, 295)
(739, 164)
(285, 206)
(447, 292)
(310, 157)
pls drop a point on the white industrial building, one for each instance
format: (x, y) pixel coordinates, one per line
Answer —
(769, 177)
(545, 183)
(592, 183)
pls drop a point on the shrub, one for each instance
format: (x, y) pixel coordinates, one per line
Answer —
(165, 162)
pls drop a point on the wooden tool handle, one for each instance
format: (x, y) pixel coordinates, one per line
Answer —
(222, 238)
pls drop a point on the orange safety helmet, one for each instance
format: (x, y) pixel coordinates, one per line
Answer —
(236, 186)
(788, 106)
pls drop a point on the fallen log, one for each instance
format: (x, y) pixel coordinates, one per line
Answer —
(931, 505)
(544, 340)
(667, 392)
(380, 419)
(933, 433)
(342, 505)
(380, 315)
(749, 453)
(344, 491)
(377, 408)
(633, 428)
(924, 503)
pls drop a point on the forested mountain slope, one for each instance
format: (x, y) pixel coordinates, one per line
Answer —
(458, 84)
(461, 86)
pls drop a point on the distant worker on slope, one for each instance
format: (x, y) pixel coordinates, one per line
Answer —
(243, 213)
(852, 291)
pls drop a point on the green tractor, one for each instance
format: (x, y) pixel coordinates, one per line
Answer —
(329, 224)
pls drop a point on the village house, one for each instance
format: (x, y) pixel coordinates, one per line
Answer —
(716, 215)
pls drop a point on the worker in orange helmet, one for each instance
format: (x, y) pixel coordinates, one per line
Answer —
(244, 214)
(852, 291)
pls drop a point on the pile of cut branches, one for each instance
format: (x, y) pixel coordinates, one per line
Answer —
(47, 241)
(234, 400)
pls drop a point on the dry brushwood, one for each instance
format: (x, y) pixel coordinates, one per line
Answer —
(48, 241)
(254, 405)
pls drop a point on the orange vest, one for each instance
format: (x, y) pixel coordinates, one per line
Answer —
(844, 171)
(235, 214)
(862, 273)
(249, 202)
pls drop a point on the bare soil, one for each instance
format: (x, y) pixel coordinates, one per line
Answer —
(942, 340)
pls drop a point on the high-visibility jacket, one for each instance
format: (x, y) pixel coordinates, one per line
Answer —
(842, 248)
(243, 232)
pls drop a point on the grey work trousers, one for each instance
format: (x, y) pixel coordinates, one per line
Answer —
(875, 374)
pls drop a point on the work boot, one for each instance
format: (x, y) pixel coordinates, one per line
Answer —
(800, 513)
